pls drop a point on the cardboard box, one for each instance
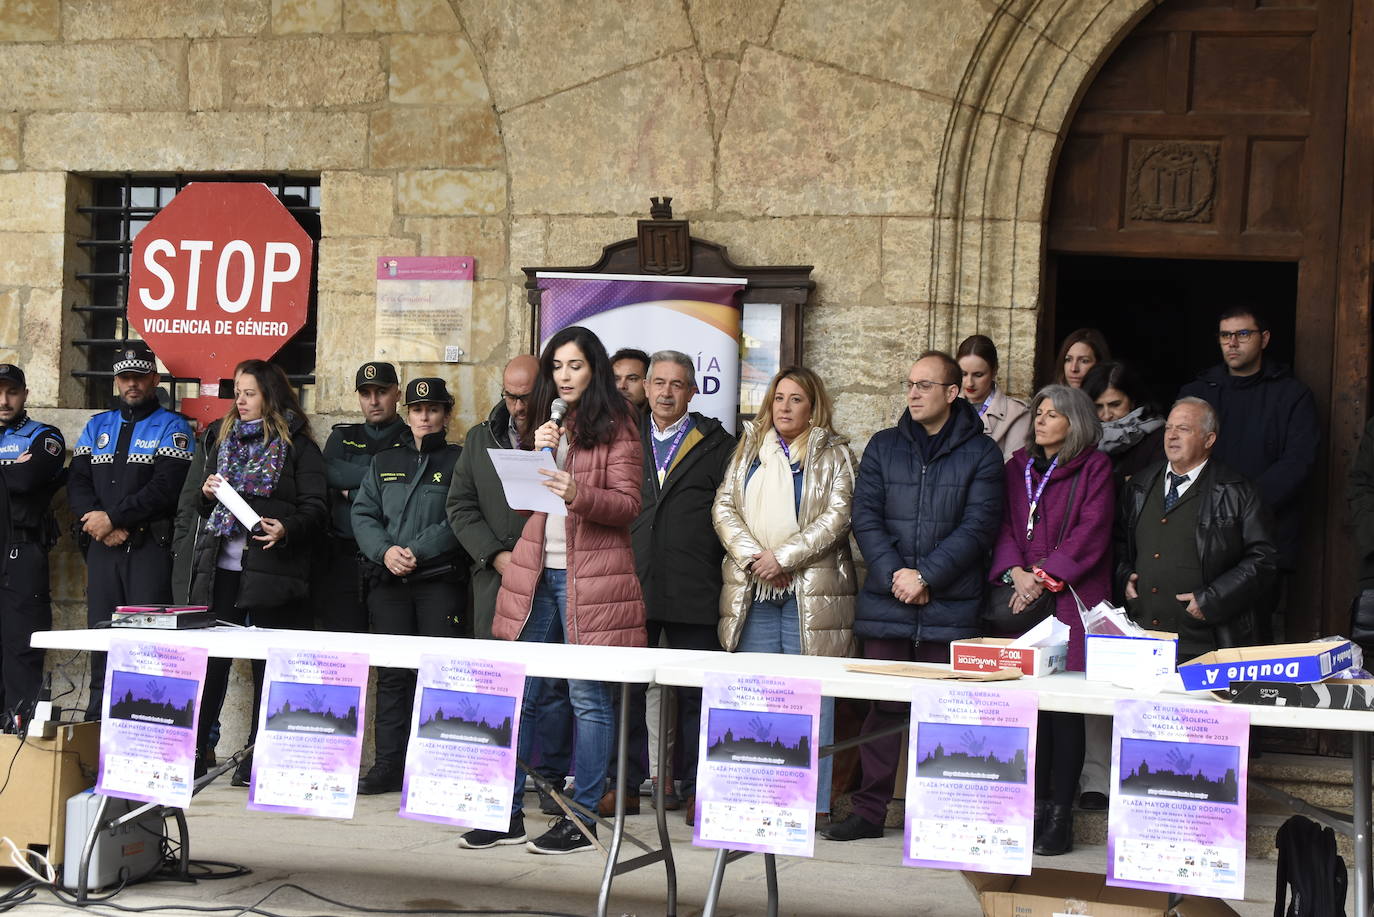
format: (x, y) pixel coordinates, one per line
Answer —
(1286, 662)
(1055, 892)
(1336, 694)
(987, 654)
(45, 773)
(1130, 660)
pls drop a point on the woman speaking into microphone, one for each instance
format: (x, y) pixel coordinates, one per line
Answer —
(572, 578)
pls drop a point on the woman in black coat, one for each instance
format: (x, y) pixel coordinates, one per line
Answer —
(264, 450)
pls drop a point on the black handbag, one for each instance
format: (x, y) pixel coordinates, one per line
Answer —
(998, 620)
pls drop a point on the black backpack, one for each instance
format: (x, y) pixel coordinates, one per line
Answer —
(1311, 867)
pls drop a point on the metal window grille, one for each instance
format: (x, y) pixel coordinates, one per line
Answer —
(120, 208)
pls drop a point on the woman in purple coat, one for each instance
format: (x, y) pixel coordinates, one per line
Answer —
(1059, 475)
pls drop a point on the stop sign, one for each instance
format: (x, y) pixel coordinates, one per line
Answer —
(220, 275)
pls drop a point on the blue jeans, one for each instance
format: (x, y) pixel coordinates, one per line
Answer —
(774, 626)
(592, 701)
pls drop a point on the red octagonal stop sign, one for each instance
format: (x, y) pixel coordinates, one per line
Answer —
(221, 275)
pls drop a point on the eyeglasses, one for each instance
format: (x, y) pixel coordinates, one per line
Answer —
(511, 396)
(1240, 336)
(924, 385)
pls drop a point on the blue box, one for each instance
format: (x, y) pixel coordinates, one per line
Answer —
(1295, 663)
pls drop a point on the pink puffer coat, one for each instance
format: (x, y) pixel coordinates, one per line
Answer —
(605, 604)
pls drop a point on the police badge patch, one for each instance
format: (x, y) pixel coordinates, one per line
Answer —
(180, 441)
(52, 446)
(102, 440)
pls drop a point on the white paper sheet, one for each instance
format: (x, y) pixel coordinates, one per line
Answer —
(522, 482)
(1048, 632)
(237, 505)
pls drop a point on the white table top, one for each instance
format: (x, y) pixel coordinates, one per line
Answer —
(1067, 692)
(618, 664)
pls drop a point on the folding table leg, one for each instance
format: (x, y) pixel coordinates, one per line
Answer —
(84, 868)
(618, 832)
(717, 879)
(664, 767)
(770, 871)
(1360, 817)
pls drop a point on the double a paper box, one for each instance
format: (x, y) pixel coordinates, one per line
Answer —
(1291, 662)
(987, 654)
(1057, 893)
(1117, 658)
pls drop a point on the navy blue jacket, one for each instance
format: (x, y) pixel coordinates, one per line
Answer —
(940, 518)
(1269, 433)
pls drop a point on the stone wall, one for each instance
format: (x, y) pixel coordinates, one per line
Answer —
(902, 148)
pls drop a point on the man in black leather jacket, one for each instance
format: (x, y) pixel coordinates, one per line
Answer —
(1195, 550)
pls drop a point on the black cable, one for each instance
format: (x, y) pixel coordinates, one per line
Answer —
(9, 772)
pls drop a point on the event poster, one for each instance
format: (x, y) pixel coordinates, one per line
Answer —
(699, 316)
(148, 736)
(970, 800)
(756, 774)
(310, 733)
(424, 309)
(1177, 817)
(464, 730)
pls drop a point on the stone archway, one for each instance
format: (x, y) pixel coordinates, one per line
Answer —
(1019, 88)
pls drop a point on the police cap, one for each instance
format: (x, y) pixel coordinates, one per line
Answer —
(11, 373)
(134, 358)
(428, 389)
(374, 373)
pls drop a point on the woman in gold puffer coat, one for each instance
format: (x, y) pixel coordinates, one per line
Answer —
(783, 514)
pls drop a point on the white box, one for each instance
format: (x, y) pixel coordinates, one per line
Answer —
(987, 654)
(1130, 660)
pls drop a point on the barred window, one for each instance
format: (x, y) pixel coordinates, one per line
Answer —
(119, 209)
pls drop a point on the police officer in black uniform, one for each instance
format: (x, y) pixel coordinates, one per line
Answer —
(348, 453)
(31, 458)
(125, 477)
(416, 570)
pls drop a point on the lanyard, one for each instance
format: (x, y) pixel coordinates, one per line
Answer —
(672, 450)
(984, 409)
(1035, 500)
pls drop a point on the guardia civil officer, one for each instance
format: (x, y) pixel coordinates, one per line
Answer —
(347, 455)
(31, 457)
(126, 475)
(416, 571)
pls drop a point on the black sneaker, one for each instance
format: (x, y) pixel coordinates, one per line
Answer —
(243, 774)
(547, 804)
(1093, 801)
(382, 778)
(564, 836)
(482, 838)
(852, 829)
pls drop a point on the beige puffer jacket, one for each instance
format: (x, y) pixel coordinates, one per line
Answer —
(818, 557)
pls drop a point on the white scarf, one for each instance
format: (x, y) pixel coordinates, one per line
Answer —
(770, 506)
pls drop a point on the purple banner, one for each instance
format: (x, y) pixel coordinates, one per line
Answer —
(310, 733)
(1177, 816)
(148, 737)
(970, 779)
(463, 735)
(756, 776)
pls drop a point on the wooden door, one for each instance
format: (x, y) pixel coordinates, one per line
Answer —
(1217, 131)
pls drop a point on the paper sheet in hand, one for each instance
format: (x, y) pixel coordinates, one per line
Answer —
(522, 482)
(237, 505)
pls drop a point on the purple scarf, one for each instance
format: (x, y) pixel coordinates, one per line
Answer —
(249, 465)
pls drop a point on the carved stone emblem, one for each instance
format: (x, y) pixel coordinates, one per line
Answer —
(1172, 182)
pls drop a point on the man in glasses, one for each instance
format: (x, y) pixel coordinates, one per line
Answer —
(927, 509)
(348, 453)
(1268, 430)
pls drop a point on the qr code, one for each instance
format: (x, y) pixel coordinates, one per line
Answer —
(452, 354)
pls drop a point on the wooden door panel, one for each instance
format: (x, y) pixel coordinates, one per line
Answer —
(1241, 74)
(1273, 198)
(1134, 79)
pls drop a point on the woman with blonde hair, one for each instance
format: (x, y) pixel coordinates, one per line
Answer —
(783, 515)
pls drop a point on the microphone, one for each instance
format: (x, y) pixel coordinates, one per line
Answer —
(556, 412)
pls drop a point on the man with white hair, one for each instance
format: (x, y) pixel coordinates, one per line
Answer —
(1195, 550)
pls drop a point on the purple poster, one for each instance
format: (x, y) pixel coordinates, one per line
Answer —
(461, 761)
(1177, 818)
(310, 733)
(148, 737)
(971, 779)
(756, 776)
